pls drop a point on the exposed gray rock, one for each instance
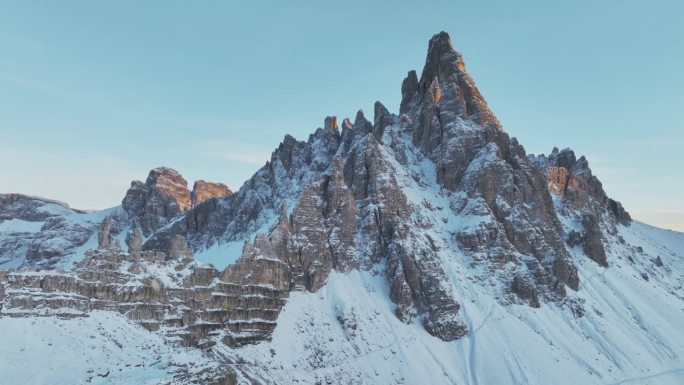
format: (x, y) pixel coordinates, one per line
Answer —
(134, 242)
(193, 308)
(104, 236)
(409, 91)
(382, 119)
(152, 204)
(572, 179)
(593, 240)
(525, 290)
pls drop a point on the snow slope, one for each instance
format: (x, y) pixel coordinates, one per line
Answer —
(347, 333)
(104, 348)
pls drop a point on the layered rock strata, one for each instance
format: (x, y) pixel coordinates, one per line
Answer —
(173, 295)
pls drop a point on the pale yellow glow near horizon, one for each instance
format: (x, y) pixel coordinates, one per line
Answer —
(671, 220)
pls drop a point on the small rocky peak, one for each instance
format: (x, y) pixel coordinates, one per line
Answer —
(362, 124)
(557, 158)
(202, 190)
(380, 113)
(348, 133)
(382, 119)
(565, 158)
(163, 196)
(572, 178)
(285, 151)
(409, 89)
(104, 236)
(288, 141)
(172, 184)
(442, 60)
(328, 134)
(581, 167)
(330, 123)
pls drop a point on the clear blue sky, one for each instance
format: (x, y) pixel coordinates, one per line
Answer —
(93, 94)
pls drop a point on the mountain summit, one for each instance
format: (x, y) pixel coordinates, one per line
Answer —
(424, 247)
(444, 75)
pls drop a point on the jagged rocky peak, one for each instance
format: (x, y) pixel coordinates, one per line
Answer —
(330, 123)
(202, 190)
(165, 195)
(446, 85)
(572, 179)
(171, 183)
(489, 175)
(381, 119)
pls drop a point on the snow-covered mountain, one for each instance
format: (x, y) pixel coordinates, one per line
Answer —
(421, 248)
(43, 233)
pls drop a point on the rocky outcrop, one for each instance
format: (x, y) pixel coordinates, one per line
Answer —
(134, 242)
(593, 241)
(201, 191)
(558, 180)
(155, 289)
(104, 236)
(525, 290)
(572, 179)
(152, 204)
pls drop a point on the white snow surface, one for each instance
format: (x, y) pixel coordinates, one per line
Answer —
(221, 255)
(347, 332)
(16, 225)
(103, 348)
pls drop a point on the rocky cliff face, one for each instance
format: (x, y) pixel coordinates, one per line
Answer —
(572, 179)
(163, 196)
(201, 191)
